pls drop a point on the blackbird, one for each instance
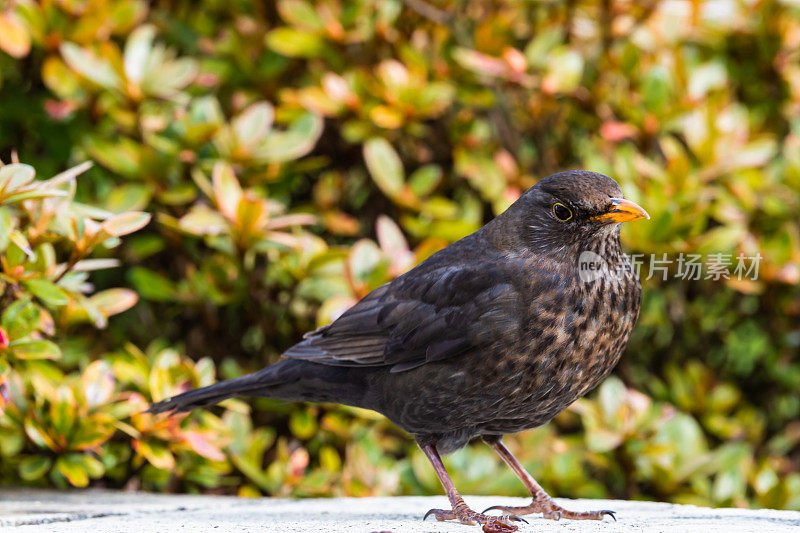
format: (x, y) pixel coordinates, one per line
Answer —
(495, 334)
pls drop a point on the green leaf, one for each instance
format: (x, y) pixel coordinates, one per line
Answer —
(6, 227)
(425, 179)
(482, 172)
(93, 466)
(686, 436)
(95, 315)
(253, 472)
(11, 442)
(293, 43)
(294, 143)
(170, 77)
(202, 220)
(90, 265)
(61, 79)
(125, 223)
(114, 301)
(63, 411)
(123, 155)
(253, 123)
(34, 194)
(90, 66)
(129, 197)
(20, 318)
(73, 470)
(21, 241)
(156, 454)
(564, 72)
(179, 194)
(137, 52)
(365, 257)
(435, 97)
(384, 166)
(152, 286)
(34, 467)
(301, 14)
(656, 88)
(15, 176)
(38, 435)
(92, 433)
(705, 78)
(303, 424)
(47, 291)
(97, 386)
(36, 349)
(329, 459)
(612, 398)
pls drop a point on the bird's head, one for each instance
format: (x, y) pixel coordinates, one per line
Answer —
(569, 211)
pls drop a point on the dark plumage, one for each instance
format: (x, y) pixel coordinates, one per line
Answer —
(497, 333)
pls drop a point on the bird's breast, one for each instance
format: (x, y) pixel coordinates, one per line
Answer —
(573, 339)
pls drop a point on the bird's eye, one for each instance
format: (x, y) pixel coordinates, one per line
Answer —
(562, 212)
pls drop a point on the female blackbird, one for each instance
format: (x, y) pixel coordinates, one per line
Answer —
(497, 333)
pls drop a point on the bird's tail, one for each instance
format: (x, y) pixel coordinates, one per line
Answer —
(254, 384)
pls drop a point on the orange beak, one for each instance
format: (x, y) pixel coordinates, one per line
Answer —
(622, 210)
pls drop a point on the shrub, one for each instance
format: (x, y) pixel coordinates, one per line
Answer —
(295, 156)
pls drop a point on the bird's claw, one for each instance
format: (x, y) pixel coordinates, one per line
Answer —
(551, 515)
(551, 511)
(505, 509)
(490, 524)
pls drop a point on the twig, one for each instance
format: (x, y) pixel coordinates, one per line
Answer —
(73, 260)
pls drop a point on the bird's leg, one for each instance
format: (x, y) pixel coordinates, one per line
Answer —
(460, 511)
(542, 502)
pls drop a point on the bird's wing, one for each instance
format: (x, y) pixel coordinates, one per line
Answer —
(426, 315)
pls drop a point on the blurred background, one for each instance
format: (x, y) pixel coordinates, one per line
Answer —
(259, 167)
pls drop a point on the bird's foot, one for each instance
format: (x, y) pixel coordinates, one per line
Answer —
(553, 511)
(465, 515)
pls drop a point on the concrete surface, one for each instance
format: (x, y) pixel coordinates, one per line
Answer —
(23, 510)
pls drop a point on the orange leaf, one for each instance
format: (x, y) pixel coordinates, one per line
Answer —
(227, 191)
(14, 37)
(298, 462)
(200, 444)
(114, 301)
(618, 131)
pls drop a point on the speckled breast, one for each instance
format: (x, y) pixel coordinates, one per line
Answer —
(577, 334)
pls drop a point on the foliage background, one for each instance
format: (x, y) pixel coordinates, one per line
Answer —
(295, 155)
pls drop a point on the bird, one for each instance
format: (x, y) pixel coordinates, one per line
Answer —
(494, 334)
